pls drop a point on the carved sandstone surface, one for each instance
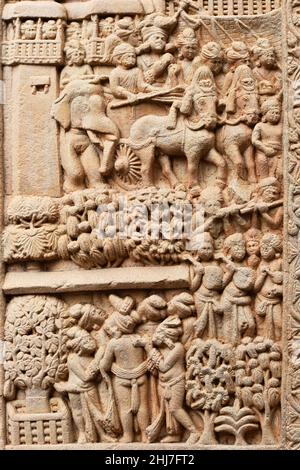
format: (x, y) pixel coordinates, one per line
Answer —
(150, 243)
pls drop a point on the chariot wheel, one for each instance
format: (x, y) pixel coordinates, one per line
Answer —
(127, 168)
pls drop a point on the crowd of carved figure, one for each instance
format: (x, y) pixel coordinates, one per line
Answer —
(201, 365)
(202, 368)
(220, 105)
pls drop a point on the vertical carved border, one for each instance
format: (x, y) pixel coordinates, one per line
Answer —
(291, 149)
(2, 267)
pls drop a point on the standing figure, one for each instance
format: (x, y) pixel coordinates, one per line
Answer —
(125, 358)
(266, 72)
(268, 286)
(168, 357)
(82, 391)
(152, 310)
(207, 302)
(238, 320)
(267, 139)
(182, 73)
(222, 216)
(207, 282)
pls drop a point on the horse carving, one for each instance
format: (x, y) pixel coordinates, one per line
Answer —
(191, 135)
(242, 109)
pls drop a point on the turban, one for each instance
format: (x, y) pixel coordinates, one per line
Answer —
(187, 37)
(125, 27)
(170, 329)
(123, 306)
(211, 50)
(124, 323)
(238, 50)
(123, 48)
(149, 31)
(182, 304)
(153, 308)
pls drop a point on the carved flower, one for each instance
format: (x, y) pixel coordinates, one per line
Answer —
(32, 243)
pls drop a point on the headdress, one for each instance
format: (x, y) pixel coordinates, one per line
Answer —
(211, 50)
(123, 306)
(238, 50)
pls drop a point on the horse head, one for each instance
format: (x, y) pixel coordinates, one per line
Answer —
(205, 97)
(243, 97)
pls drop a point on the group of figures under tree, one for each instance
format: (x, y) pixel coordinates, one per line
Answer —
(205, 387)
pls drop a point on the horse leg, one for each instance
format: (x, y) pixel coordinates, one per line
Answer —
(147, 155)
(167, 170)
(233, 152)
(193, 158)
(250, 164)
(214, 157)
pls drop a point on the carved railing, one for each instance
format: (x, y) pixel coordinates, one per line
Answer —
(232, 7)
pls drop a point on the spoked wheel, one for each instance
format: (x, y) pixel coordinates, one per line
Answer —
(127, 168)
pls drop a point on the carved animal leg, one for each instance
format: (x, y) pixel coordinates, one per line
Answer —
(167, 170)
(234, 154)
(250, 164)
(74, 173)
(193, 159)
(147, 155)
(90, 163)
(107, 161)
(217, 159)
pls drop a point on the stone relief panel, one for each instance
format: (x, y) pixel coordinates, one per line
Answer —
(151, 276)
